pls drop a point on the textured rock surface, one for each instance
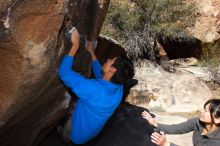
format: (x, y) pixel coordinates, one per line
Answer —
(108, 48)
(207, 25)
(28, 79)
(126, 128)
(32, 41)
(87, 16)
(163, 91)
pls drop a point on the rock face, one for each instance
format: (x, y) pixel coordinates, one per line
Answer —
(32, 42)
(108, 48)
(28, 72)
(171, 92)
(207, 26)
(87, 16)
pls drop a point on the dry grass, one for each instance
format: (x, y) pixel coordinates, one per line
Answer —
(211, 55)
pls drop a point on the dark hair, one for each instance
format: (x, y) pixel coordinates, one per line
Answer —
(214, 108)
(124, 70)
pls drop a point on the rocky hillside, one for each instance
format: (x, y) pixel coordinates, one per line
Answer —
(207, 25)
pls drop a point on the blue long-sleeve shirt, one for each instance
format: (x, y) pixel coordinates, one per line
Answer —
(97, 101)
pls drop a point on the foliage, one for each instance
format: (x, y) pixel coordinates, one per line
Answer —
(211, 55)
(136, 24)
(119, 19)
(211, 60)
(214, 74)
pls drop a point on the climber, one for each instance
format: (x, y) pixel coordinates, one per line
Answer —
(97, 98)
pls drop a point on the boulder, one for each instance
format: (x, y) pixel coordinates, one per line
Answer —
(28, 106)
(125, 128)
(33, 40)
(108, 48)
(171, 92)
(207, 23)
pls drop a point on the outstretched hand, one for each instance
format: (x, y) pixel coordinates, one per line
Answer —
(149, 118)
(159, 139)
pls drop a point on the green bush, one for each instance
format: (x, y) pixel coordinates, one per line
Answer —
(136, 24)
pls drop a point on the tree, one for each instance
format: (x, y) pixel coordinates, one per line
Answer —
(136, 24)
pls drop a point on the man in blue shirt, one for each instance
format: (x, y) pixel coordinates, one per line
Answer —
(97, 98)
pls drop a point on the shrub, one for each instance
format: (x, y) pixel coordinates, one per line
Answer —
(135, 24)
(211, 55)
